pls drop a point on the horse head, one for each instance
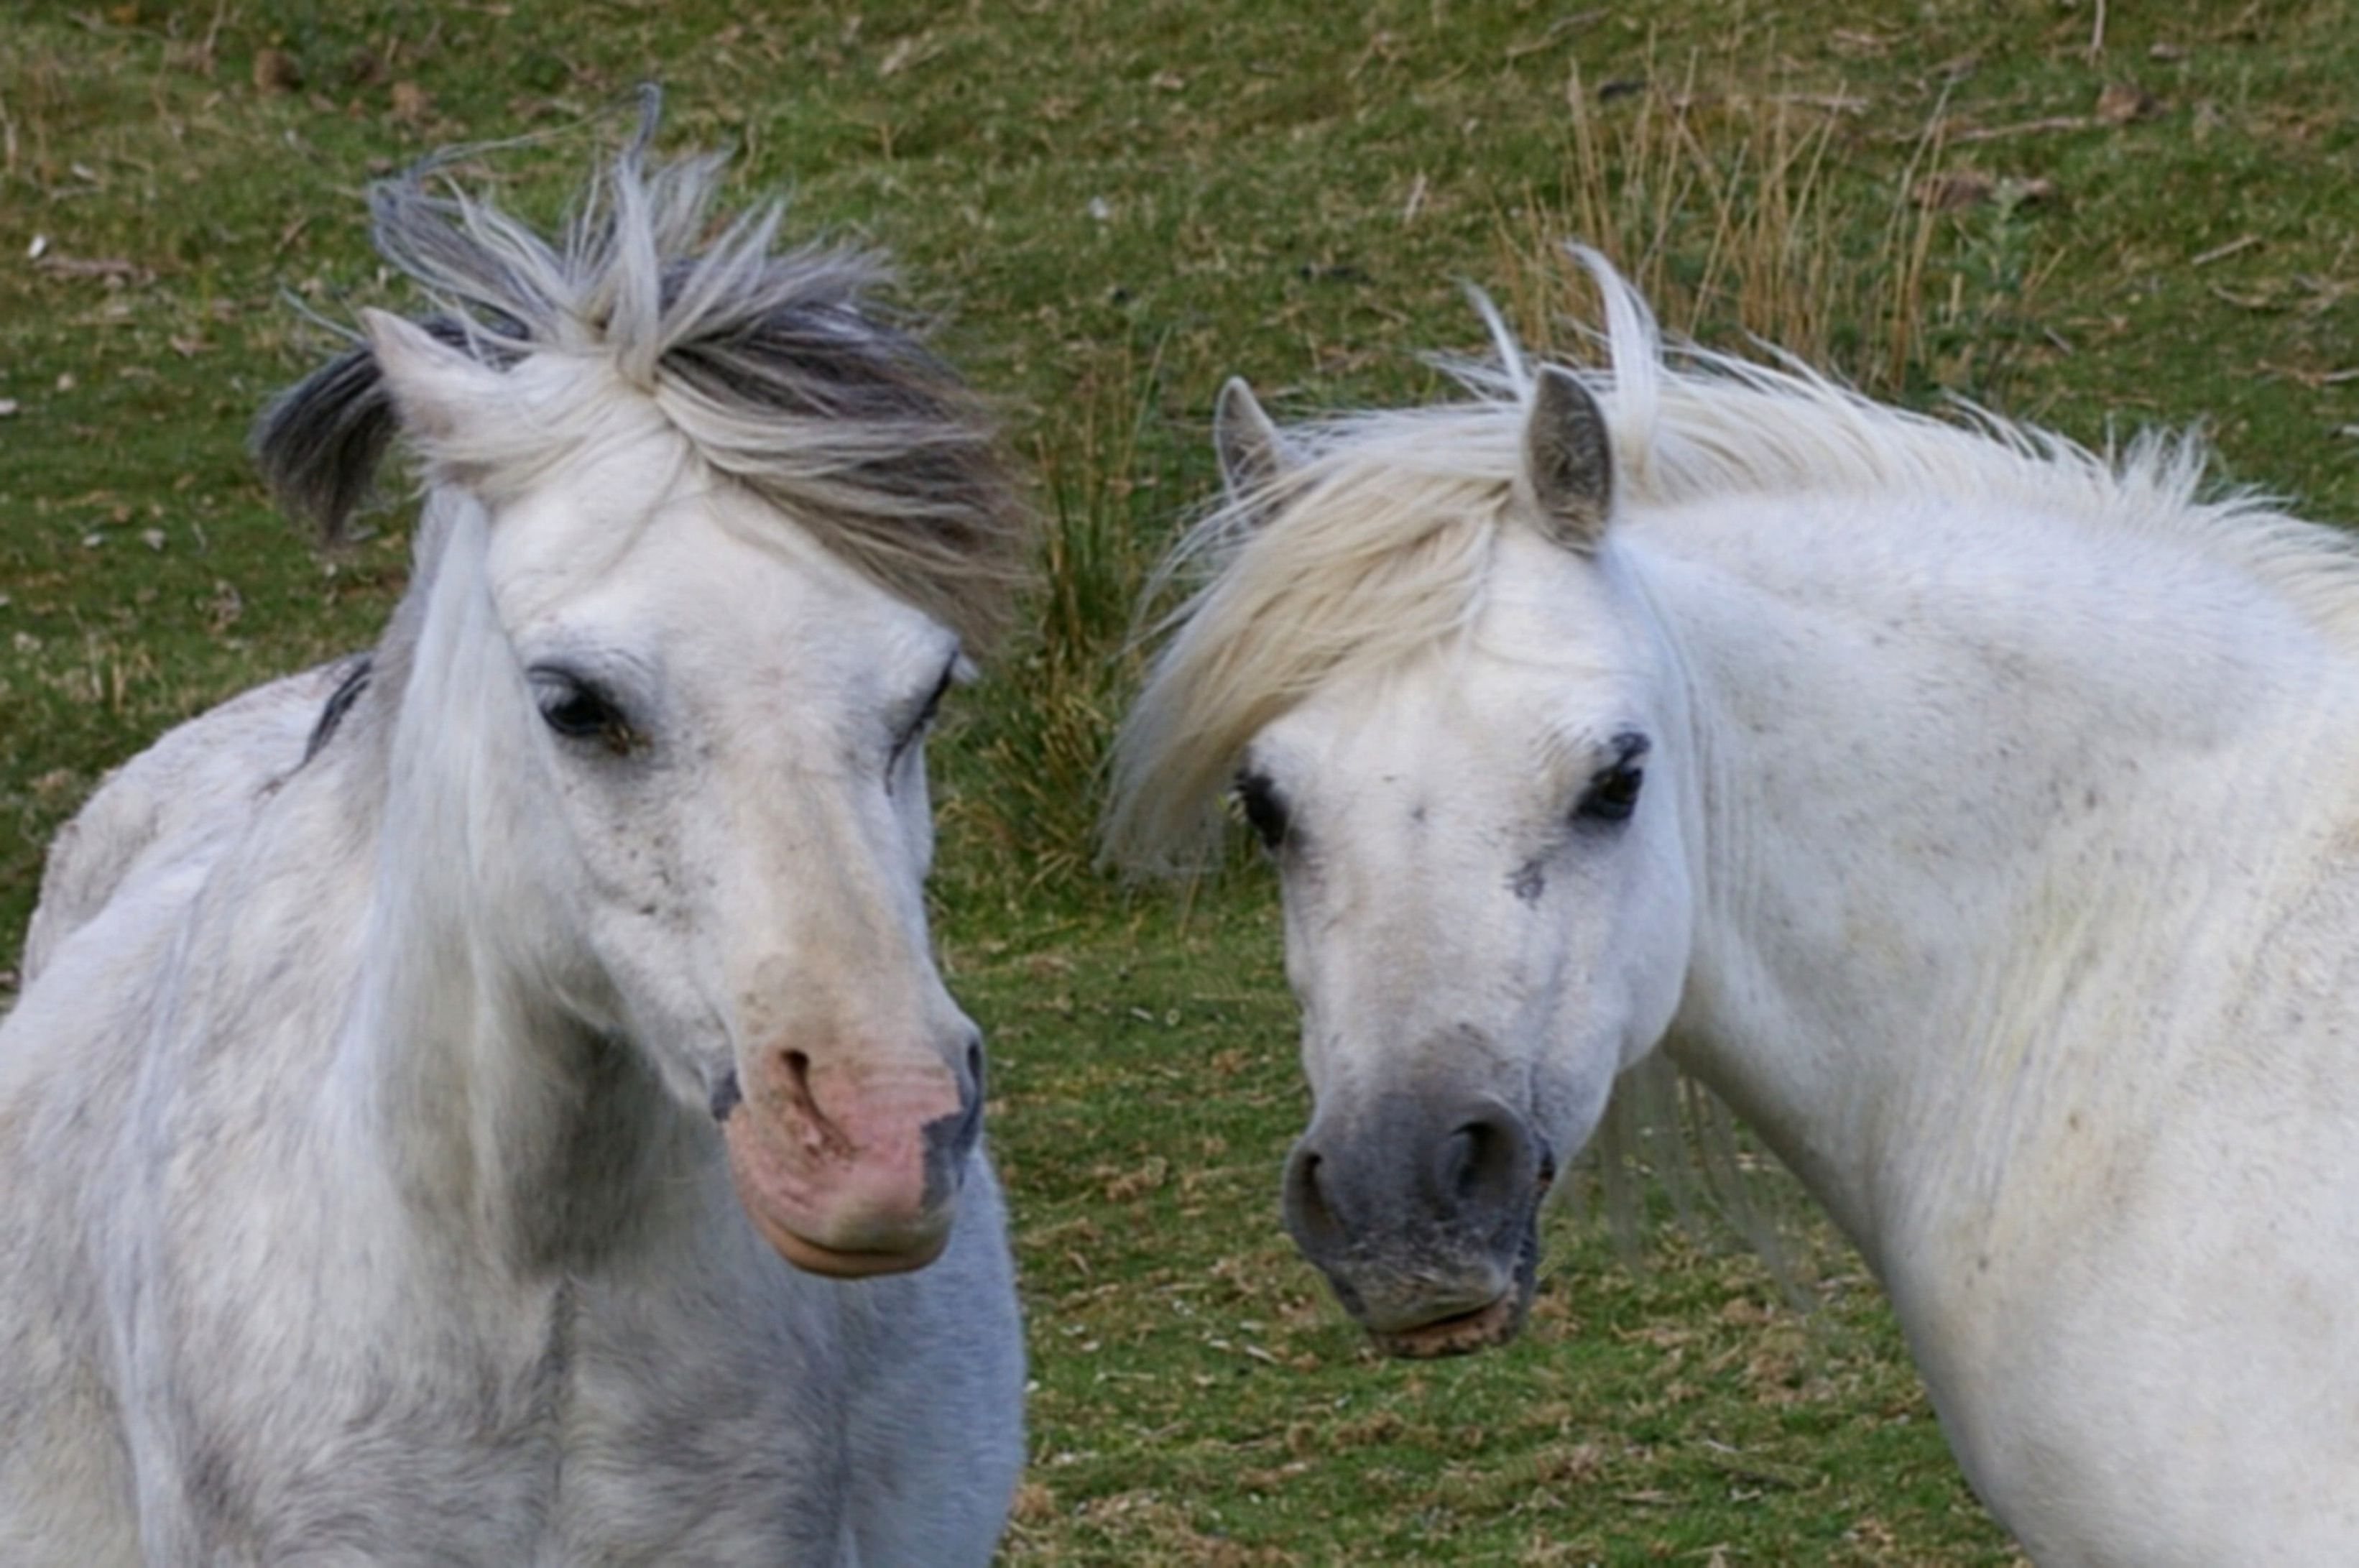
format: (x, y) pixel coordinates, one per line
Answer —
(1487, 904)
(706, 539)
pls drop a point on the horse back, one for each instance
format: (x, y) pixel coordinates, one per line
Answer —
(181, 796)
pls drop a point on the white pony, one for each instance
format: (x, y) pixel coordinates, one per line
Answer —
(446, 1082)
(1979, 817)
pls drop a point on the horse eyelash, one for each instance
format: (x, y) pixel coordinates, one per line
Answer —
(916, 727)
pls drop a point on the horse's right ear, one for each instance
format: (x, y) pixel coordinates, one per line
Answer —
(439, 390)
(1254, 454)
(1568, 461)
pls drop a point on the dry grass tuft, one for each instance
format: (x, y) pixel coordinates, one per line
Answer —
(1043, 721)
(1728, 212)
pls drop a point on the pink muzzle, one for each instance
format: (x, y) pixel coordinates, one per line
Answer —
(848, 1167)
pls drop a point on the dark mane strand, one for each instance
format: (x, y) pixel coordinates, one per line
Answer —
(776, 365)
(321, 442)
(340, 703)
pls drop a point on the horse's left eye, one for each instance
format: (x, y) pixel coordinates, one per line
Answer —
(1613, 792)
(579, 709)
(1613, 795)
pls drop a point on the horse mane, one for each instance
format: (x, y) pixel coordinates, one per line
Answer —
(1376, 540)
(776, 365)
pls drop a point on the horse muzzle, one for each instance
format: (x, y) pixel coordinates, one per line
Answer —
(1423, 1213)
(854, 1168)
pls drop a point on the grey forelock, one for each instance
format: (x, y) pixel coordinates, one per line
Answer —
(776, 365)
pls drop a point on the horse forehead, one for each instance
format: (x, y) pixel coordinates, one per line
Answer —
(693, 561)
(1543, 603)
(1439, 740)
(589, 509)
(1525, 680)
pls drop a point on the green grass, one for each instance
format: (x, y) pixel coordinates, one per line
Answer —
(1111, 207)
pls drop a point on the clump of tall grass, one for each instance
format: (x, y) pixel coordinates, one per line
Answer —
(1110, 490)
(1740, 218)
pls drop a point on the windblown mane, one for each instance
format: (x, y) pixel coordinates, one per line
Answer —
(775, 365)
(1376, 540)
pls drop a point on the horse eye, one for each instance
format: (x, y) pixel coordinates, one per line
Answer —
(578, 710)
(1258, 797)
(1613, 795)
(1613, 792)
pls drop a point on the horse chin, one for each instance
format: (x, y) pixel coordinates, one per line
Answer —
(836, 1264)
(1465, 1332)
(1462, 1334)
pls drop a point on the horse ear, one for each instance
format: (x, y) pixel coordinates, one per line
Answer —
(438, 389)
(1569, 461)
(1254, 454)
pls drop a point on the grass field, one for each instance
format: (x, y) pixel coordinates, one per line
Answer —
(2097, 219)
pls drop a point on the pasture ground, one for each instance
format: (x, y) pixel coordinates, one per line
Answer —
(2097, 220)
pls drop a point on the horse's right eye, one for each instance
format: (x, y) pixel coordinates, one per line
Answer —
(1258, 797)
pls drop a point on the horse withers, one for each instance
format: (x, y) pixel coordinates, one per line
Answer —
(493, 1102)
(1971, 812)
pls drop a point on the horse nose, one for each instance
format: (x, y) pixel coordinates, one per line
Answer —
(1481, 1163)
(849, 1154)
(1417, 1206)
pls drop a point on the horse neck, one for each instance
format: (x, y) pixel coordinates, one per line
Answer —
(1951, 788)
(474, 1059)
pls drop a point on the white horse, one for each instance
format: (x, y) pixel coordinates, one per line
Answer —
(1978, 816)
(460, 1096)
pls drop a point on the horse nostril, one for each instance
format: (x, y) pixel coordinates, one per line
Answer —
(970, 1120)
(1458, 1168)
(727, 1095)
(1485, 1166)
(1309, 1213)
(950, 1140)
(803, 1106)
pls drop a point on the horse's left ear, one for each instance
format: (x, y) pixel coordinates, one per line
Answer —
(1254, 454)
(1568, 461)
(438, 389)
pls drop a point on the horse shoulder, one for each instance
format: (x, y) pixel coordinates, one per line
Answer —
(2190, 1207)
(143, 898)
(70, 1058)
